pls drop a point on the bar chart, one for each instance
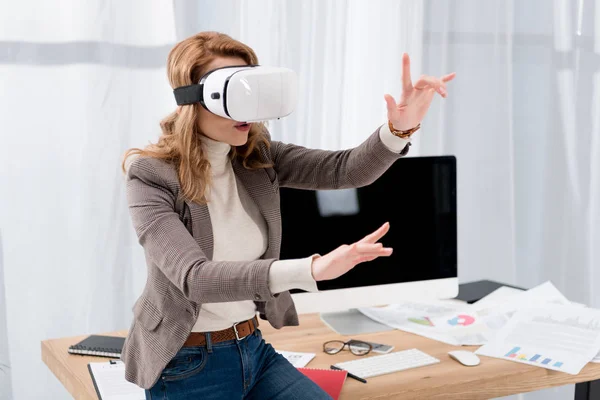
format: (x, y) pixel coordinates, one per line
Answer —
(515, 353)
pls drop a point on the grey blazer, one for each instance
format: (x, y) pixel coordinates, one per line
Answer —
(178, 243)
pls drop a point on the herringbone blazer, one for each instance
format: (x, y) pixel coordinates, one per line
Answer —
(178, 243)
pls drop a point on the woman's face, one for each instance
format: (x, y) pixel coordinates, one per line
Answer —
(217, 127)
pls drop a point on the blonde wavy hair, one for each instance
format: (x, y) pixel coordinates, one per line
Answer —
(180, 143)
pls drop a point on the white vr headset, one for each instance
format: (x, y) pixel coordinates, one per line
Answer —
(248, 93)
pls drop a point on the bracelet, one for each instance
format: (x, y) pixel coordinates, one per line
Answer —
(403, 134)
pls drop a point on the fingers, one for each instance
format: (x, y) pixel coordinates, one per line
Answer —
(427, 80)
(406, 81)
(449, 77)
(378, 234)
(439, 84)
(365, 259)
(430, 81)
(390, 102)
(386, 252)
(364, 251)
(370, 257)
(367, 248)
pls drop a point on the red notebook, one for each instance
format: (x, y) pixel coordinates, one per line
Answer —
(329, 380)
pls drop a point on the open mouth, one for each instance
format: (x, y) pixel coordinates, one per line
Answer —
(242, 126)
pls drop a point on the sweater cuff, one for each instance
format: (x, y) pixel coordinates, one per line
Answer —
(391, 141)
(292, 274)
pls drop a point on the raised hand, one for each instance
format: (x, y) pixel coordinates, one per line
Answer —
(346, 257)
(415, 99)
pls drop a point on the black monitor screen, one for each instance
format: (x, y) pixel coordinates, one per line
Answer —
(417, 195)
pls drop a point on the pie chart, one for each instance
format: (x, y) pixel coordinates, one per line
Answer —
(461, 319)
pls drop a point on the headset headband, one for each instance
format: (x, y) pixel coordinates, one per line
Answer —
(194, 93)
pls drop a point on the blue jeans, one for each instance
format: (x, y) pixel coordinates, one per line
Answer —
(245, 369)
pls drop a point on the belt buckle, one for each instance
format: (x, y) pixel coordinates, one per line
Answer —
(237, 335)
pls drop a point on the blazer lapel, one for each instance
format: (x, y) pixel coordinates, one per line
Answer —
(261, 190)
(202, 227)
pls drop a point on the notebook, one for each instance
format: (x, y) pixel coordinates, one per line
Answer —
(331, 381)
(97, 345)
(110, 384)
(297, 359)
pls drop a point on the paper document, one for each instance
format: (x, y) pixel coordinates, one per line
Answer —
(464, 324)
(557, 337)
(298, 360)
(543, 294)
(499, 295)
(434, 320)
(110, 383)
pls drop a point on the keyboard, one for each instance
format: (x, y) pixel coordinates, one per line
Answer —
(388, 363)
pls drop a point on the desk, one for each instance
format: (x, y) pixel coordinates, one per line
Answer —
(446, 380)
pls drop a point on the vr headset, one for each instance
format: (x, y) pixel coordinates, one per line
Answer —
(249, 93)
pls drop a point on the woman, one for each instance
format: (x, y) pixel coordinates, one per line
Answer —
(204, 202)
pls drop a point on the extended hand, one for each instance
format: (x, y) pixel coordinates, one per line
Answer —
(415, 99)
(346, 257)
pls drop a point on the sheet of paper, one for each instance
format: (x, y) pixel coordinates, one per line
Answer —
(111, 383)
(557, 337)
(497, 312)
(496, 309)
(463, 324)
(421, 318)
(543, 294)
(298, 360)
(497, 296)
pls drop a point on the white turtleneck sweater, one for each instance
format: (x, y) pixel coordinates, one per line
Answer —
(240, 233)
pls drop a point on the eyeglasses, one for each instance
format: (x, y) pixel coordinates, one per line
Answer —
(356, 347)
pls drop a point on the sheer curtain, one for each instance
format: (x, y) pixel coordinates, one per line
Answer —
(81, 82)
(5, 381)
(347, 55)
(523, 121)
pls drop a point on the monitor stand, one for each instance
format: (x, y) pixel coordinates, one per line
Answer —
(352, 322)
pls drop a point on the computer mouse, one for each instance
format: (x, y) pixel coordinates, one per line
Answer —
(465, 357)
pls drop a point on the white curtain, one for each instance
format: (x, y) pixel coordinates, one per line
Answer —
(80, 83)
(347, 55)
(5, 381)
(523, 120)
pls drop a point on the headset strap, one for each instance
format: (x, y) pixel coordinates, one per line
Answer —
(189, 94)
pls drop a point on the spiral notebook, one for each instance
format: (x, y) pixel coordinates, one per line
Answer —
(101, 346)
(331, 381)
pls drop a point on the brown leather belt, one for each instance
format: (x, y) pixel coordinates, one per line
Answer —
(237, 331)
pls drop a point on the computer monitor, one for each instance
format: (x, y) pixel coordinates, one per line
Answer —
(417, 195)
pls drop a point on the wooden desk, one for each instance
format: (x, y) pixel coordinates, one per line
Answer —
(446, 380)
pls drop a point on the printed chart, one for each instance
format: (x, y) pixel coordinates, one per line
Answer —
(514, 353)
